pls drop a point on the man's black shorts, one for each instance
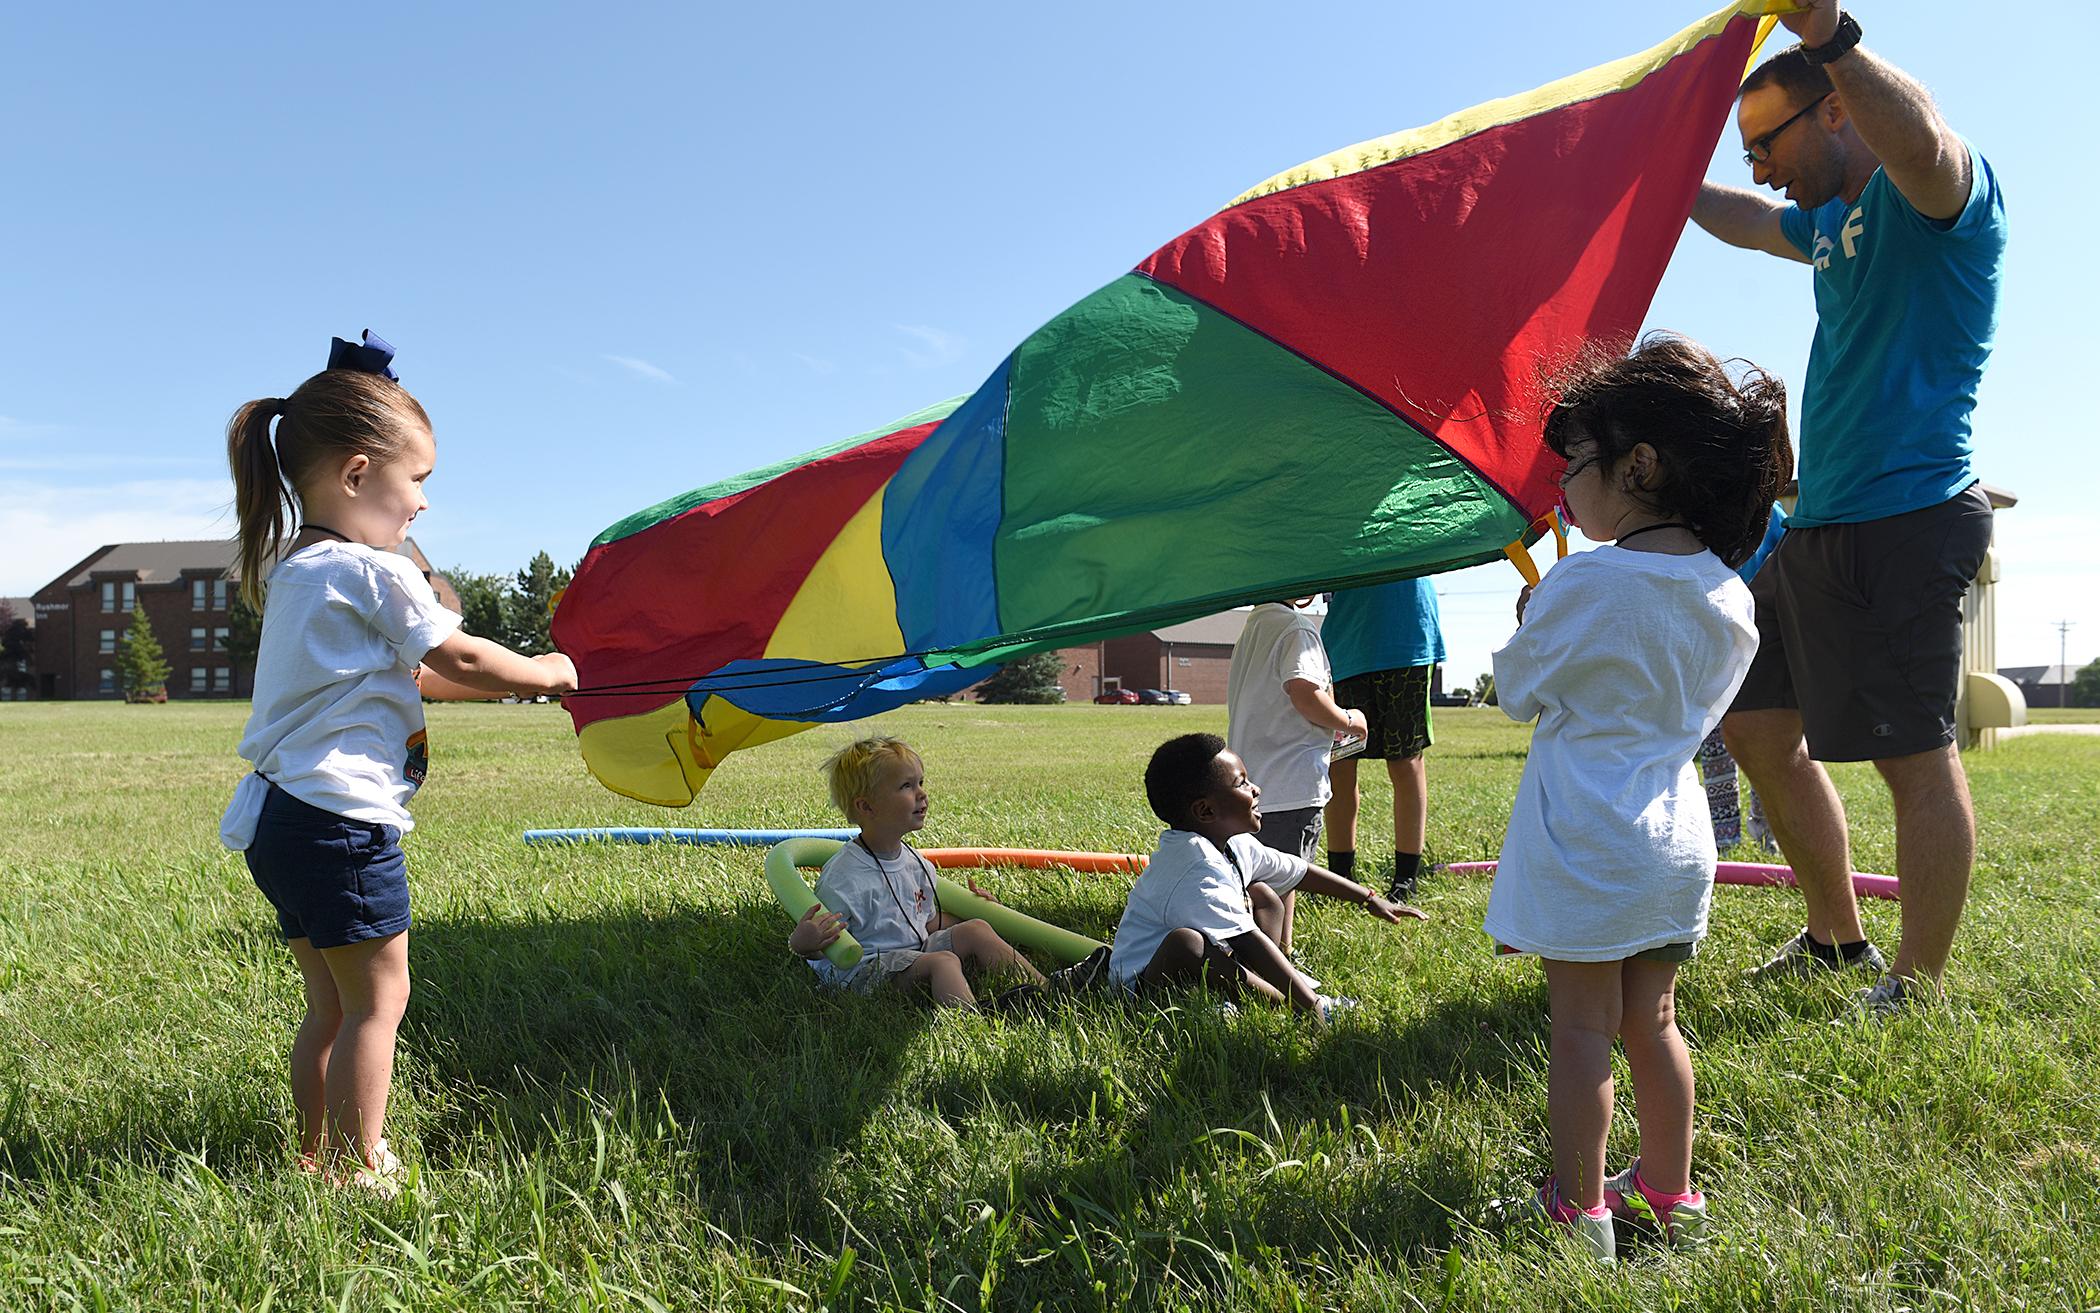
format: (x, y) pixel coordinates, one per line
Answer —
(1395, 704)
(1859, 628)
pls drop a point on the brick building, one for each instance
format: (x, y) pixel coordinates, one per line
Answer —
(186, 590)
(1194, 656)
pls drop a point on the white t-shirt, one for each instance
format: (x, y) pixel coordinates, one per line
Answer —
(1286, 754)
(888, 904)
(1627, 659)
(337, 722)
(1189, 883)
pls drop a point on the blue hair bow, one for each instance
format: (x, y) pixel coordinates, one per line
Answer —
(376, 356)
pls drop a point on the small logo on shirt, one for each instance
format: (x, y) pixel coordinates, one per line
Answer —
(418, 763)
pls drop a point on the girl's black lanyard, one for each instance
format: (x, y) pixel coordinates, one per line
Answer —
(1650, 528)
(918, 926)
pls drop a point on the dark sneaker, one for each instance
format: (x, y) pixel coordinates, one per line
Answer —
(1021, 998)
(1087, 974)
(1796, 961)
(1402, 891)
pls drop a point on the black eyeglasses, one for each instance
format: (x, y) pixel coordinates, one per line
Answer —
(1757, 152)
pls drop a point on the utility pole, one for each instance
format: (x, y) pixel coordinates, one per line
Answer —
(2063, 674)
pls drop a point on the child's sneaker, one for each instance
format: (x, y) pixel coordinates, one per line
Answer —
(1591, 1226)
(1082, 976)
(1679, 1218)
(381, 1172)
(1333, 1005)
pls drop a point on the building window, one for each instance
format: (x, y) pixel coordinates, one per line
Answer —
(197, 587)
(109, 681)
(222, 680)
(108, 644)
(218, 639)
(196, 679)
(197, 640)
(218, 594)
(109, 595)
(131, 596)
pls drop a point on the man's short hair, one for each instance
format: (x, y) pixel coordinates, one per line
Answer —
(1790, 71)
(1180, 772)
(852, 770)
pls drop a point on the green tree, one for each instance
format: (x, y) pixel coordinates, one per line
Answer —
(1029, 679)
(484, 603)
(142, 668)
(531, 607)
(1484, 692)
(17, 649)
(243, 632)
(2085, 686)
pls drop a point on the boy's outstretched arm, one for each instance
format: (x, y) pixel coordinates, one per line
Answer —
(1316, 703)
(1320, 880)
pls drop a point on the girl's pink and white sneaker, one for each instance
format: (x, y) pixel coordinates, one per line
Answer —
(1592, 1225)
(1679, 1218)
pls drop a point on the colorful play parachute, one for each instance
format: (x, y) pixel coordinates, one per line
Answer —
(1331, 382)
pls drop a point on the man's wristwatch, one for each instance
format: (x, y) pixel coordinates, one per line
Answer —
(1839, 44)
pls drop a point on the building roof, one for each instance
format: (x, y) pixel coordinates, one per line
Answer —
(167, 562)
(2039, 674)
(1223, 628)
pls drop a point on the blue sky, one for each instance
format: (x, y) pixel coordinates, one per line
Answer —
(628, 250)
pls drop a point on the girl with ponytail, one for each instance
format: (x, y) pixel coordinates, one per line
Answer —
(1627, 656)
(352, 640)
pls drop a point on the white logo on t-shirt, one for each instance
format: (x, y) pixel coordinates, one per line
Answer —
(1854, 229)
(1822, 251)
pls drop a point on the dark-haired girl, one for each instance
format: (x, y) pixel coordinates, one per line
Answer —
(1627, 656)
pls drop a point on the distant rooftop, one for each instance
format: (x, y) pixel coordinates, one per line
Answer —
(167, 562)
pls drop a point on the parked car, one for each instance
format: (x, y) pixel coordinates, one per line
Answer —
(1180, 698)
(1126, 697)
(1153, 697)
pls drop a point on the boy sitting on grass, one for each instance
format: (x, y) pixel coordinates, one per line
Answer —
(1209, 906)
(881, 889)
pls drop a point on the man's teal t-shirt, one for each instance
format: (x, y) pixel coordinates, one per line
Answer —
(1383, 627)
(1906, 309)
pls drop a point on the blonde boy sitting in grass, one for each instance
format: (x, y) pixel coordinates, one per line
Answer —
(881, 889)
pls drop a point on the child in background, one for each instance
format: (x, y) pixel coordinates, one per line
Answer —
(350, 632)
(881, 889)
(1627, 656)
(1281, 719)
(1209, 905)
(1384, 644)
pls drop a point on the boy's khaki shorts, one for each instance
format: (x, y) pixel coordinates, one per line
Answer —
(879, 969)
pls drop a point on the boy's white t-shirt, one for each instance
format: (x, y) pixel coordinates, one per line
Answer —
(337, 722)
(1628, 660)
(1286, 754)
(887, 903)
(1189, 883)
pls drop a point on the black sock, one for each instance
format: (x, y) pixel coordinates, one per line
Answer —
(1407, 869)
(1342, 862)
(1819, 950)
(1854, 951)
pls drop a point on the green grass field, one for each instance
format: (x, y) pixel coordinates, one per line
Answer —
(618, 1091)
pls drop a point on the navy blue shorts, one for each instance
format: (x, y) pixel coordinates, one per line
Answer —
(333, 881)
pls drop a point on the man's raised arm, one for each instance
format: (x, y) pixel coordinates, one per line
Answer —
(1743, 218)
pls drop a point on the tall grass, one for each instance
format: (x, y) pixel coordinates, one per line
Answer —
(618, 1091)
